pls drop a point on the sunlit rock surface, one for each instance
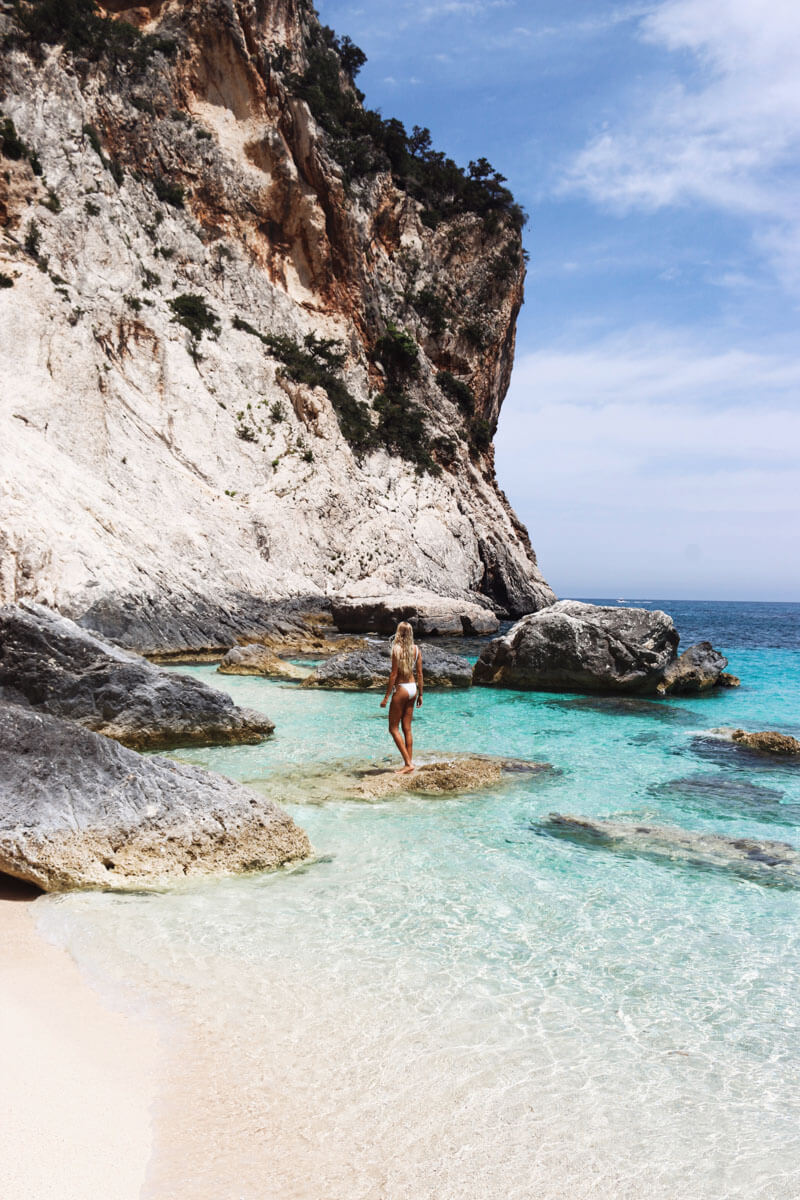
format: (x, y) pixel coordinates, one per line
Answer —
(79, 811)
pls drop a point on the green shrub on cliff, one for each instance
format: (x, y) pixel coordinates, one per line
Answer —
(363, 142)
(315, 364)
(398, 352)
(193, 313)
(86, 33)
(12, 145)
(457, 390)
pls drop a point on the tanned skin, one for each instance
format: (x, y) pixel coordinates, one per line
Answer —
(401, 710)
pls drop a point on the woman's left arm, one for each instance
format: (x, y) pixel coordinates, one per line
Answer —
(419, 679)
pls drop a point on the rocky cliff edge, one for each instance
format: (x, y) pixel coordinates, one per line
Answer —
(254, 339)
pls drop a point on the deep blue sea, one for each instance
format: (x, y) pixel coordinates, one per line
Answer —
(451, 1004)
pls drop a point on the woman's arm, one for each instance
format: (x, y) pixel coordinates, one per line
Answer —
(392, 680)
(419, 678)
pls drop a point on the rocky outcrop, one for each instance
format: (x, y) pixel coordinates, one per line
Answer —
(60, 669)
(237, 365)
(434, 779)
(698, 669)
(80, 811)
(576, 647)
(766, 741)
(775, 863)
(368, 670)
(429, 616)
(258, 660)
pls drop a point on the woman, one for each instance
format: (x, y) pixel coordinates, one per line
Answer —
(406, 663)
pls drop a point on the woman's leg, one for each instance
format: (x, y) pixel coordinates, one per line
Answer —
(396, 710)
(407, 718)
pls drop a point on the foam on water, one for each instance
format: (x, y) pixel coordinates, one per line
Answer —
(448, 1005)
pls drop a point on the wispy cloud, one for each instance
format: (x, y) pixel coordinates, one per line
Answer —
(724, 130)
(649, 442)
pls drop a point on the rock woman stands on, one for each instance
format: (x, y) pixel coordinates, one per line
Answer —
(406, 692)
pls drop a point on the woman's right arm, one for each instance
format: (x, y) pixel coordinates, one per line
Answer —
(392, 680)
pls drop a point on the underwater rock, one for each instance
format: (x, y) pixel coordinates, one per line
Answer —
(63, 670)
(259, 660)
(698, 669)
(624, 706)
(727, 796)
(79, 811)
(369, 669)
(764, 862)
(766, 741)
(576, 647)
(429, 616)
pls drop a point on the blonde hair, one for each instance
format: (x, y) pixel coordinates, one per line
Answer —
(403, 647)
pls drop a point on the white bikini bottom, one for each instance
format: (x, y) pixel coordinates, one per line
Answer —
(411, 689)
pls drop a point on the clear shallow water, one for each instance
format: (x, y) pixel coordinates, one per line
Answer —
(450, 1004)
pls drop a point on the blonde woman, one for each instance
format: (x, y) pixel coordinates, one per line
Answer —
(406, 692)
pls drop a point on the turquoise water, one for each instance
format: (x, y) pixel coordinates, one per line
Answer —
(449, 1003)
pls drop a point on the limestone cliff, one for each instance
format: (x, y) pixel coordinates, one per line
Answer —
(254, 340)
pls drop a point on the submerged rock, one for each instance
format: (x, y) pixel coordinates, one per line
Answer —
(430, 616)
(259, 660)
(767, 741)
(62, 670)
(435, 778)
(576, 647)
(79, 811)
(370, 669)
(698, 669)
(764, 862)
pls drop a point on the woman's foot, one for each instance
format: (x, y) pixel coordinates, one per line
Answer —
(408, 769)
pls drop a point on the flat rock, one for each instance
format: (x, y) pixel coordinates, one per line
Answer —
(80, 811)
(576, 647)
(65, 671)
(764, 862)
(435, 778)
(260, 660)
(698, 669)
(369, 670)
(766, 741)
(428, 615)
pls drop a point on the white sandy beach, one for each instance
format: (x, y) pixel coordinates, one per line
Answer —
(79, 1079)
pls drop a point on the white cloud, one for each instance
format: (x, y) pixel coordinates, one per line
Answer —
(620, 453)
(725, 129)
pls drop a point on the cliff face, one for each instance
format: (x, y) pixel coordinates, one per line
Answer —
(246, 352)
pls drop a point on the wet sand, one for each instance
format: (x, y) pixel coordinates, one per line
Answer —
(79, 1079)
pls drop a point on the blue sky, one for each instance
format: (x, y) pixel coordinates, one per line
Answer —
(651, 436)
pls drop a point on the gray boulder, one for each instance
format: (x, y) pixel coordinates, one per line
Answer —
(79, 811)
(429, 616)
(65, 671)
(257, 659)
(698, 669)
(576, 647)
(370, 669)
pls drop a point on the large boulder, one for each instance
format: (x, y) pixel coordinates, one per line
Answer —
(368, 670)
(260, 660)
(65, 671)
(429, 616)
(576, 647)
(77, 811)
(698, 669)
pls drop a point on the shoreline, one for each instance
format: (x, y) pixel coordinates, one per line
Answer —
(81, 1079)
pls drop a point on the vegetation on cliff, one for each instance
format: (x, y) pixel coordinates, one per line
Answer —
(363, 142)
